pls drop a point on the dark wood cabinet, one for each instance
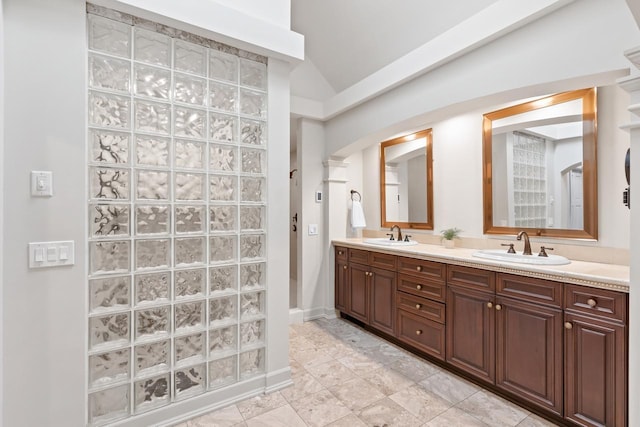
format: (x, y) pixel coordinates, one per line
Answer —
(359, 292)
(382, 310)
(342, 285)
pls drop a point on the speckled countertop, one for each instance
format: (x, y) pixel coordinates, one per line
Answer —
(594, 274)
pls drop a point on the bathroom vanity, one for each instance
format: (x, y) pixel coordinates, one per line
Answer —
(550, 338)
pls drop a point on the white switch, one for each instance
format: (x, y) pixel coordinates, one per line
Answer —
(51, 254)
(313, 229)
(41, 183)
(64, 253)
(38, 254)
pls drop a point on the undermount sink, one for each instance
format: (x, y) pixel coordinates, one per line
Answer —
(384, 241)
(518, 257)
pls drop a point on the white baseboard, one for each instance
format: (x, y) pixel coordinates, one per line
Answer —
(278, 380)
(313, 314)
(296, 316)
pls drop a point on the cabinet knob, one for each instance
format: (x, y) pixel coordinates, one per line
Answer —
(498, 307)
(419, 332)
(344, 267)
(419, 268)
(418, 287)
(591, 302)
(489, 305)
(568, 325)
(367, 273)
(340, 252)
(418, 306)
(370, 274)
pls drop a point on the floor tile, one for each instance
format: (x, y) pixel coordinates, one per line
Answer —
(350, 420)
(356, 393)
(448, 386)
(302, 387)
(331, 373)
(420, 403)
(311, 356)
(225, 417)
(414, 368)
(493, 410)
(360, 364)
(387, 380)
(455, 417)
(283, 416)
(535, 421)
(260, 404)
(386, 412)
(320, 409)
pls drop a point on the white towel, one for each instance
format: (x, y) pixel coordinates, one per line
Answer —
(357, 215)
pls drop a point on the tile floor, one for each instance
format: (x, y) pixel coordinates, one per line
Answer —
(344, 376)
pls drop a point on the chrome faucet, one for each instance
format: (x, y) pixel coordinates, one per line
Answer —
(527, 244)
(399, 232)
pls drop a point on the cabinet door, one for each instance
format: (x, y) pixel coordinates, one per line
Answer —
(358, 292)
(595, 372)
(471, 332)
(342, 283)
(383, 290)
(529, 352)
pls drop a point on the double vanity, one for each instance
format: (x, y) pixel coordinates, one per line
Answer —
(552, 338)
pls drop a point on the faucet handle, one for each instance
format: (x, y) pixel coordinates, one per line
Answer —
(391, 236)
(511, 250)
(543, 251)
(406, 237)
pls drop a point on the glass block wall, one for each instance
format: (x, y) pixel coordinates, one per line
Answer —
(529, 180)
(176, 238)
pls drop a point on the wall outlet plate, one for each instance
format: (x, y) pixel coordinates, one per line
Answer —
(318, 196)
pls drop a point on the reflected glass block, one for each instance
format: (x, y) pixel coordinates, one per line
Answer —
(189, 186)
(152, 185)
(252, 246)
(152, 253)
(108, 367)
(111, 111)
(189, 315)
(253, 189)
(190, 381)
(109, 405)
(222, 218)
(189, 89)
(222, 157)
(222, 248)
(223, 66)
(109, 293)
(223, 279)
(152, 357)
(109, 73)
(152, 219)
(151, 393)
(152, 322)
(253, 103)
(188, 283)
(222, 340)
(189, 219)
(222, 187)
(108, 147)
(190, 346)
(109, 257)
(108, 220)
(189, 123)
(152, 117)
(222, 310)
(252, 276)
(189, 154)
(190, 57)
(151, 81)
(152, 287)
(253, 132)
(251, 363)
(253, 74)
(151, 47)
(222, 127)
(109, 36)
(223, 97)
(108, 183)
(251, 305)
(189, 250)
(252, 218)
(222, 372)
(253, 161)
(252, 333)
(109, 329)
(152, 150)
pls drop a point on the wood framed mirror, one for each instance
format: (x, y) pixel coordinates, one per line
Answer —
(406, 181)
(540, 169)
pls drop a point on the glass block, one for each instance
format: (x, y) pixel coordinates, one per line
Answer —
(152, 287)
(152, 253)
(189, 283)
(222, 157)
(152, 219)
(108, 183)
(189, 250)
(189, 315)
(222, 372)
(253, 276)
(190, 219)
(108, 147)
(188, 347)
(253, 161)
(189, 154)
(109, 293)
(110, 111)
(190, 381)
(252, 218)
(223, 97)
(189, 186)
(222, 248)
(253, 103)
(251, 363)
(109, 367)
(151, 393)
(151, 81)
(190, 57)
(223, 66)
(108, 220)
(152, 322)
(189, 89)
(109, 73)
(222, 127)
(222, 310)
(109, 405)
(252, 246)
(152, 357)
(109, 329)
(253, 132)
(223, 279)
(109, 257)
(152, 117)
(109, 36)
(151, 47)
(222, 188)
(253, 189)
(252, 333)
(222, 340)
(222, 218)
(189, 123)
(152, 185)
(253, 74)
(251, 305)
(152, 150)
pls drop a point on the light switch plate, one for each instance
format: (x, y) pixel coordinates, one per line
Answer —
(51, 254)
(41, 183)
(313, 229)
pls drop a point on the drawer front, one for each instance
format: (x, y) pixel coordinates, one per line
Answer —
(420, 268)
(341, 253)
(359, 256)
(596, 302)
(423, 334)
(529, 289)
(473, 278)
(435, 290)
(422, 307)
(385, 261)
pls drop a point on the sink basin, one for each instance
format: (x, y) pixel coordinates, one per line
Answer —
(518, 257)
(384, 241)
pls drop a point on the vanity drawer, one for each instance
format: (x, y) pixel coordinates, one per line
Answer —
(422, 307)
(341, 253)
(469, 277)
(423, 334)
(529, 289)
(359, 256)
(596, 302)
(420, 287)
(421, 268)
(385, 261)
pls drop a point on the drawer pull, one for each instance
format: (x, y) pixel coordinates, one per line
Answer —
(591, 302)
(419, 332)
(489, 305)
(568, 325)
(419, 268)
(344, 267)
(418, 306)
(340, 252)
(418, 287)
(498, 307)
